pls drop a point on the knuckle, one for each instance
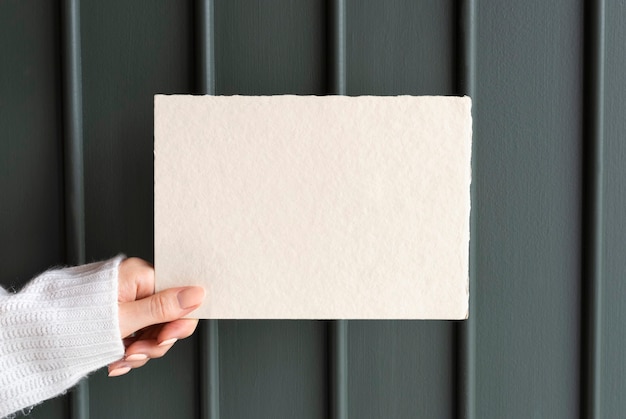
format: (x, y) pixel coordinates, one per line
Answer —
(146, 273)
(160, 307)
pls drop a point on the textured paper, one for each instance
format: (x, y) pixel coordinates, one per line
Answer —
(304, 207)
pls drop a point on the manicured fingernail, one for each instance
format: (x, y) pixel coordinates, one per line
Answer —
(190, 297)
(168, 342)
(119, 371)
(136, 357)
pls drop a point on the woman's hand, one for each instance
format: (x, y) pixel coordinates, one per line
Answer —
(150, 323)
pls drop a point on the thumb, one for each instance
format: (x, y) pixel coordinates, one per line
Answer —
(162, 307)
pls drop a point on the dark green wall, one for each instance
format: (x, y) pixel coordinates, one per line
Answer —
(531, 70)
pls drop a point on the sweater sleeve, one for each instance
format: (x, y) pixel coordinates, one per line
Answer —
(60, 327)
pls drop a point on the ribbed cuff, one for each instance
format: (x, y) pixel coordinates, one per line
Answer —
(59, 328)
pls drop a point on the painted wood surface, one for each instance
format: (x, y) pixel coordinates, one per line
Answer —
(526, 350)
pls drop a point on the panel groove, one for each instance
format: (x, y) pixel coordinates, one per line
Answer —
(336, 45)
(73, 164)
(466, 331)
(338, 368)
(208, 353)
(73, 134)
(205, 46)
(591, 322)
(208, 340)
(337, 330)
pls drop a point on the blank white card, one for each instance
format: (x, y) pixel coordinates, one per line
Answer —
(306, 207)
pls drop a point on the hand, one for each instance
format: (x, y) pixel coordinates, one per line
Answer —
(150, 323)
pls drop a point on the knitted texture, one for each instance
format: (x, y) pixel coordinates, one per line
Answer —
(61, 326)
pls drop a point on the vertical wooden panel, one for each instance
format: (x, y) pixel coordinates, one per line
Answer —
(401, 47)
(131, 51)
(265, 48)
(31, 171)
(31, 207)
(528, 134)
(273, 369)
(401, 369)
(613, 310)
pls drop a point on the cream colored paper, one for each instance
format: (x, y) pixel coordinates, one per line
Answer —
(304, 207)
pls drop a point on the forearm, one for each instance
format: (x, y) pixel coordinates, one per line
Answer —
(57, 329)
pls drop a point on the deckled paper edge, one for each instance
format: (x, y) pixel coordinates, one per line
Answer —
(463, 312)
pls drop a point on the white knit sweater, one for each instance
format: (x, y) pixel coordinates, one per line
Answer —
(57, 329)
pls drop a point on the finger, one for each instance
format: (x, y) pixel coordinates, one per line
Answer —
(178, 329)
(123, 367)
(130, 364)
(149, 348)
(165, 306)
(136, 279)
(118, 371)
(147, 333)
(150, 332)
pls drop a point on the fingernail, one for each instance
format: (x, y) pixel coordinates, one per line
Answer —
(119, 371)
(136, 357)
(168, 342)
(189, 297)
